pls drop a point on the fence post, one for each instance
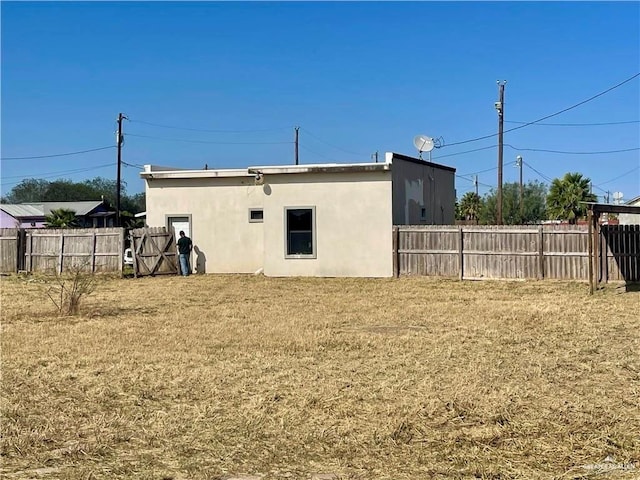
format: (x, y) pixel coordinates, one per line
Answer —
(121, 248)
(540, 252)
(61, 255)
(396, 248)
(460, 253)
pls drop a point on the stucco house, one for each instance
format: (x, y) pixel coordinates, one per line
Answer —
(299, 220)
(630, 218)
(90, 214)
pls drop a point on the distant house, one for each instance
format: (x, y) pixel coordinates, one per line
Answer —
(300, 220)
(91, 214)
(630, 218)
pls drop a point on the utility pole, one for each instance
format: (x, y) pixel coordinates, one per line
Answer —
(475, 182)
(519, 164)
(500, 108)
(375, 156)
(297, 129)
(119, 142)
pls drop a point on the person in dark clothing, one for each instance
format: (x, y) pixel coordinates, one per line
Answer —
(184, 251)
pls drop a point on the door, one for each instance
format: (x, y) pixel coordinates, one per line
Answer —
(180, 223)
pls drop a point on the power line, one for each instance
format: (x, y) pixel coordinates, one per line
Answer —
(470, 180)
(465, 152)
(572, 153)
(487, 170)
(209, 130)
(579, 124)
(542, 175)
(58, 154)
(206, 141)
(548, 116)
(620, 176)
(135, 165)
(56, 174)
(316, 153)
(332, 145)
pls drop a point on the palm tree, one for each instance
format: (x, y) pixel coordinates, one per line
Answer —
(470, 205)
(61, 218)
(565, 197)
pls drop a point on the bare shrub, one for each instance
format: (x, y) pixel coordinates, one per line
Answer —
(67, 289)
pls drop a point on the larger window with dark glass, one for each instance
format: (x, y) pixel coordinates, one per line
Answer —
(300, 235)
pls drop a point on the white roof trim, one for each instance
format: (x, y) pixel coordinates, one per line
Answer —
(150, 172)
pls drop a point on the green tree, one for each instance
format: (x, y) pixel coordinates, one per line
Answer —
(533, 210)
(470, 206)
(28, 190)
(34, 190)
(61, 218)
(566, 195)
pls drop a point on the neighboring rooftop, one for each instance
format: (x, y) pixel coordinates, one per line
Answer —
(40, 209)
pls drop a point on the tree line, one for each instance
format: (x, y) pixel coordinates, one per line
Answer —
(562, 201)
(37, 190)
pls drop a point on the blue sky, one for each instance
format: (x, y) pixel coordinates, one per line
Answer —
(356, 77)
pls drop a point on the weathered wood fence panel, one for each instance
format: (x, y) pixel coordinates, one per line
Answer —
(566, 252)
(10, 248)
(499, 253)
(154, 251)
(514, 252)
(97, 250)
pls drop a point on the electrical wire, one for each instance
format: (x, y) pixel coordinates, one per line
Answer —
(488, 169)
(547, 116)
(578, 124)
(542, 175)
(571, 153)
(58, 154)
(620, 176)
(56, 174)
(135, 165)
(332, 145)
(473, 181)
(465, 152)
(315, 152)
(209, 130)
(206, 141)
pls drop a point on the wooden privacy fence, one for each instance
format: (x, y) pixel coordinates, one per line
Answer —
(56, 250)
(11, 249)
(154, 251)
(96, 250)
(515, 252)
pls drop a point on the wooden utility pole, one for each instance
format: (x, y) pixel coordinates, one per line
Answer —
(519, 164)
(297, 129)
(475, 182)
(500, 108)
(119, 142)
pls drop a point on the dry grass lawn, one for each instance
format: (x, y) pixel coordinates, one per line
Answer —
(208, 377)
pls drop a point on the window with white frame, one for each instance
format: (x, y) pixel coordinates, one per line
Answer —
(300, 232)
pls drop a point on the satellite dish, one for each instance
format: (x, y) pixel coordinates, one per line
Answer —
(423, 143)
(617, 197)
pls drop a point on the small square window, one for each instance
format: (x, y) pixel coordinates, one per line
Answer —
(256, 215)
(300, 233)
(423, 213)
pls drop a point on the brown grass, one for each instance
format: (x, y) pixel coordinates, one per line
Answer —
(209, 376)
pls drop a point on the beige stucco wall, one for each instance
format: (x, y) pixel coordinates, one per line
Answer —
(353, 223)
(219, 209)
(417, 186)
